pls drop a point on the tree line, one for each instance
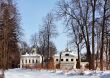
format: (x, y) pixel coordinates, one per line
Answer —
(42, 41)
(9, 34)
(88, 24)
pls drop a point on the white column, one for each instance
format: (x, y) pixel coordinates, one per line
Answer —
(24, 60)
(27, 60)
(31, 61)
(74, 63)
(21, 63)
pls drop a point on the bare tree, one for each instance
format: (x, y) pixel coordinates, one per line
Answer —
(42, 46)
(77, 39)
(25, 48)
(92, 17)
(78, 11)
(93, 4)
(10, 34)
(105, 17)
(49, 29)
(34, 39)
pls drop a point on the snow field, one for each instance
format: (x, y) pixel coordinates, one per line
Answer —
(28, 73)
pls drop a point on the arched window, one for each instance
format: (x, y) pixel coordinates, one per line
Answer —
(26, 61)
(29, 61)
(33, 61)
(36, 61)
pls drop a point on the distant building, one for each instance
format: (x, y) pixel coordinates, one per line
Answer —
(68, 59)
(30, 60)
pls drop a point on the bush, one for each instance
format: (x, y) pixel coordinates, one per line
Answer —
(87, 66)
(51, 63)
(57, 66)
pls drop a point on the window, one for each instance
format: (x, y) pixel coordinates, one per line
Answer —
(61, 59)
(56, 59)
(66, 59)
(71, 59)
(36, 61)
(25, 61)
(76, 59)
(29, 61)
(66, 54)
(33, 61)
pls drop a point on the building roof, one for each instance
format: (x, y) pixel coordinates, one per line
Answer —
(67, 51)
(31, 54)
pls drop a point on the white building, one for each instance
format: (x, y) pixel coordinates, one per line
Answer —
(30, 60)
(68, 59)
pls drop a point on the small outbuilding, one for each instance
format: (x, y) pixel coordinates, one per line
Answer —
(67, 59)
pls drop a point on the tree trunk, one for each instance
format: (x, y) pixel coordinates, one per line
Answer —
(60, 60)
(89, 56)
(78, 62)
(93, 23)
(109, 56)
(102, 38)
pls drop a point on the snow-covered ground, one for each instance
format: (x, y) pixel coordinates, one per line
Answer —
(27, 73)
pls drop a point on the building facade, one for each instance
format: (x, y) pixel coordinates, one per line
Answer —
(30, 60)
(66, 59)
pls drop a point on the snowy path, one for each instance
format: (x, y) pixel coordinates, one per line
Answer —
(19, 73)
